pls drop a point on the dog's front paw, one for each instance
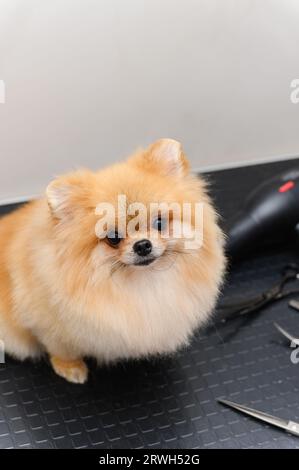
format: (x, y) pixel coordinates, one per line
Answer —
(73, 371)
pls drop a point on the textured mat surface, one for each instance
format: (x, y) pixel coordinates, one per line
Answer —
(171, 403)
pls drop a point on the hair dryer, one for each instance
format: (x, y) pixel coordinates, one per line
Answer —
(271, 209)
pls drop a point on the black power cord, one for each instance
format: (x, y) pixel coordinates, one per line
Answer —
(234, 310)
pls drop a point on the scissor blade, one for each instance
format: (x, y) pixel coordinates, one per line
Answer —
(287, 335)
(278, 422)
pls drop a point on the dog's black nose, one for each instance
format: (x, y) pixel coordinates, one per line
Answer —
(143, 247)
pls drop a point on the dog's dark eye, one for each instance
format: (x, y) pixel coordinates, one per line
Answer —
(159, 223)
(113, 238)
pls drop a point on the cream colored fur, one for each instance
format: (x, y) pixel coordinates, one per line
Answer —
(58, 292)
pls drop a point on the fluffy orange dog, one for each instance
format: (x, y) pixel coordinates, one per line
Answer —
(68, 292)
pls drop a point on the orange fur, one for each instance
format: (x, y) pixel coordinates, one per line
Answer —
(59, 292)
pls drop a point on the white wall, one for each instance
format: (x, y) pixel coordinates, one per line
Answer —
(87, 81)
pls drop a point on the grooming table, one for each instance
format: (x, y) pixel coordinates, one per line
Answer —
(171, 402)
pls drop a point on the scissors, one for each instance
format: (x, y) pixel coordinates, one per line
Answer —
(289, 426)
(279, 291)
(294, 341)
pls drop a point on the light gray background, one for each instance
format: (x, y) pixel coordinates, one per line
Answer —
(87, 81)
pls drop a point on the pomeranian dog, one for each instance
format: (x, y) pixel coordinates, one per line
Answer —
(72, 290)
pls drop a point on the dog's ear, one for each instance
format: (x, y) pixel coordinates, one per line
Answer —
(67, 194)
(165, 156)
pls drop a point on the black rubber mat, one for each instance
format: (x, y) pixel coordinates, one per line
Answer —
(171, 403)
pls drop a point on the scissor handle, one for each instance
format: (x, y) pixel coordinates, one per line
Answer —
(293, 428)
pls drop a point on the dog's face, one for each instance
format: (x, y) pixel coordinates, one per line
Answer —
(130, 216)
(140, 247)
